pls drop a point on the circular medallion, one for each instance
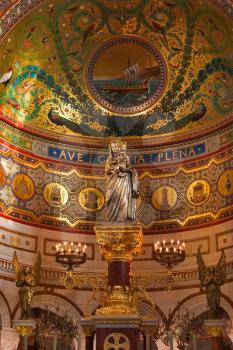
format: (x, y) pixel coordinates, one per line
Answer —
(23, 187)
(198, 192)
(164, 198)
(55, 194)
(126, 75)
(225, 183)
(117, 341)
(91, 199)
(2, 177)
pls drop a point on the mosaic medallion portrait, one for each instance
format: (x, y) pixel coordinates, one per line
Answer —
(23, 186)
(198, 191)
(126, 75)
(55, 194)
(164, 198)
(225, 184)
(2, 176)
(91, 199)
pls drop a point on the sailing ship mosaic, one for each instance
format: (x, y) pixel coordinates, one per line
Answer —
(126, 75)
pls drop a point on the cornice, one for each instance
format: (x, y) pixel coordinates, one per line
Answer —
(53, 278)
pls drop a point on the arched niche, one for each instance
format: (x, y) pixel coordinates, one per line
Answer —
(197, 303)
(56, 303)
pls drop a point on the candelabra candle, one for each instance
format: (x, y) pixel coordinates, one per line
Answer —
(169, 253)
(69, 255)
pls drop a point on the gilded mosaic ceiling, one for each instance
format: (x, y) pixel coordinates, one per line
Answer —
(102, 69)
(75, 73)
(71, 196)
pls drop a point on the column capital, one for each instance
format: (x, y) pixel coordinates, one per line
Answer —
(119, 241)
(24, 327)
(88, 330)
(215, 328)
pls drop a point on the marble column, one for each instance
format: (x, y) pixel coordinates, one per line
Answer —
(215, 329)
(119, 273)
(216, 343)
(170, 337)
(89, 337)
(147, 341)
(194, 341)
(148, 328)
(25, 342)
(55, 341)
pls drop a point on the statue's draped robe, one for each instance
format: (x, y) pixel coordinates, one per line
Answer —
(121, 191)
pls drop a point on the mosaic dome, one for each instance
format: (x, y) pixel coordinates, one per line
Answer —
(102, 69)
(74, 74)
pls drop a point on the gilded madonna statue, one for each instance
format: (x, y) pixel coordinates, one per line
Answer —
(122, 185)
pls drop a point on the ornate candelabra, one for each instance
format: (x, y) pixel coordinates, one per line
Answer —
(70, 255)
(169, 253)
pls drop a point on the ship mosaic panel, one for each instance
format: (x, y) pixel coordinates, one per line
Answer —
(59, 195)
(181, 80)
(135, 80)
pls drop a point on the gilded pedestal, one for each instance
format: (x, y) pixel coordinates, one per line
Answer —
(117, 324)
(119, 243)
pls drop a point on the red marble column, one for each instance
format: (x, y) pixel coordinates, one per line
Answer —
(89, 342)
(216, 343)
(119, 273)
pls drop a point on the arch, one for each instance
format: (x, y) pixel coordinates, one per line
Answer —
(5, 311)
(56, 302)
(196, 304)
